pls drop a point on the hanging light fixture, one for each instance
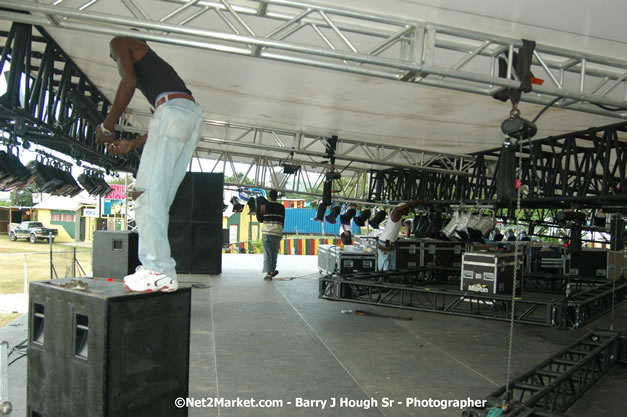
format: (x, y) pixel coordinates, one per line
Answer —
(332, 216)
(363, 217)
(377, 219)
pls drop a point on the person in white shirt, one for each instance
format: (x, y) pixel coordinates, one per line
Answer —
(386, 258)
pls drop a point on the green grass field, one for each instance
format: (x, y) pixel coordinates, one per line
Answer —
(7, 318)
(16, 257)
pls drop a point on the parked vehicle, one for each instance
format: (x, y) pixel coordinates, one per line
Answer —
(32, 231)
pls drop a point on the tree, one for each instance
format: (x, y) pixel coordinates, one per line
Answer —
(239, 178)
(22, 198)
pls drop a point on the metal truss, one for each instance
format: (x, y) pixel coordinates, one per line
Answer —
(587, 305)
(556, 284)
(551, 387)
(351, 41)
(244, 170)
(37, 106)
(580, 169)
(352, 154)
(374, 291)
(261, 155)
(406, 290)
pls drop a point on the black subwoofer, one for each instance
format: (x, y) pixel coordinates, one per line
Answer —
(103, 351)
(195, 230)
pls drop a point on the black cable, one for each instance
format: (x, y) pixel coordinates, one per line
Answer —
(546, 108)
(608, 108)
(312, 275)
(198, 285)
(16, 359)
(22, 345)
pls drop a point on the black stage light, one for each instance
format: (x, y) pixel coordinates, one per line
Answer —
(377, 219)
(519, 128)
(94, 183)
(570, 216)
(290, 168)
(363, 217)
(332, 217)
(345, 218)
(86, 108)
(237, 205)
(320, 212)
(12, 173)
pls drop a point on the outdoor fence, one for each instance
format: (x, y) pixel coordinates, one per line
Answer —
(19, 269)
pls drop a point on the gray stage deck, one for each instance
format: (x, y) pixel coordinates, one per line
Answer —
(278, 341)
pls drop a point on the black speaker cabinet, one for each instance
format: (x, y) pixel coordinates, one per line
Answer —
(114, 254)
(102, 351)
(195, 230)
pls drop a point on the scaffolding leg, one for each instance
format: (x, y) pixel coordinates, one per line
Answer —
(5, 405)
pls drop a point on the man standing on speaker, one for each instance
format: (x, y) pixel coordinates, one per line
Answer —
(272, 215)
(169, 145)
(386, 256)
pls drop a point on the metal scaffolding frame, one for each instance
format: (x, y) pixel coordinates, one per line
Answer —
(375, 291)
(549, 388)
(415, 290)
(583, 169)
(351, 41)
(37, 106)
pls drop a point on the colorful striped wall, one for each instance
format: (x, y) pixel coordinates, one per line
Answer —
(289, 246)
(304, 246)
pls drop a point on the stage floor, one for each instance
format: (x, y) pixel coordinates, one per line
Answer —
(278, 341)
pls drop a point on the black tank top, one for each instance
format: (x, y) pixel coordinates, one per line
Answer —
(155, 76)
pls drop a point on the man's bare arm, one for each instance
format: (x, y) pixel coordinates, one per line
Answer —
(121, 52)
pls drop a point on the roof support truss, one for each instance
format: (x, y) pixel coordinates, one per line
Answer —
(351, 41)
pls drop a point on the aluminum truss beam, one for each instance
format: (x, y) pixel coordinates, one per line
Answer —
(251, 140)
(407, 290)
(583, 169)
(587, 305)
(351, 41)
(37, 107)
(245, 170)
(551, 387)
(374, 291)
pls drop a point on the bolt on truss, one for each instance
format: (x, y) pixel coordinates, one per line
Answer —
(243, 170)
(551, 387)
(580, 169)
(372, 289)
(37, 106)
(351, 41)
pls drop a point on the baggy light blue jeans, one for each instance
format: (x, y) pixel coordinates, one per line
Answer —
(386, 261)
(173, 135)
(271, 245)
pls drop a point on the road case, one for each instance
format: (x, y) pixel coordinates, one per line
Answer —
(350, 260)
(491, 273)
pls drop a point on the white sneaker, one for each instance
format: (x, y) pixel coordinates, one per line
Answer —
(140, 270)
(145, 280)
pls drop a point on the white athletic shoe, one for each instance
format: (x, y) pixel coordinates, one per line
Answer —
(140, 270)
(145, 280)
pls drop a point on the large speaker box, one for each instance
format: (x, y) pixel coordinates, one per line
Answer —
(97, 350)
(114, 254)
(195, 230)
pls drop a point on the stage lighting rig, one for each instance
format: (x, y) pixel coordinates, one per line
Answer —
(332, 216)
(290, 168)
(518, 127)
(85, 108)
